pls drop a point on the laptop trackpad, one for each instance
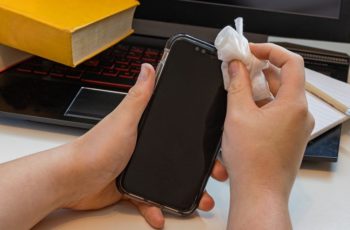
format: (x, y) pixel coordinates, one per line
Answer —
(94, 104)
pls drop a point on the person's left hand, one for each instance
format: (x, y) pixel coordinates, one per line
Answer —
(100, 155)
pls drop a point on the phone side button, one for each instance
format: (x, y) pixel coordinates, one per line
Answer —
(159, 70)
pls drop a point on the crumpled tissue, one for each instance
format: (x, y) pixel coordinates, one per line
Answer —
(232, 45)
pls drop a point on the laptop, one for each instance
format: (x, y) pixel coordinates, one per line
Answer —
(44, 91)
(41, 90)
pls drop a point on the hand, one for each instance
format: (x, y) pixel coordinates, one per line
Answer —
(262, 147)
(100, 155)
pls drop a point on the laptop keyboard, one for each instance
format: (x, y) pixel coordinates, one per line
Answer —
(116, 67)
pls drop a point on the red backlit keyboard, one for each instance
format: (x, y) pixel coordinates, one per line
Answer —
(116, 67)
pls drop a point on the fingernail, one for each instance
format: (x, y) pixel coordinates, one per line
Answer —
(144, 73)
(233, 69)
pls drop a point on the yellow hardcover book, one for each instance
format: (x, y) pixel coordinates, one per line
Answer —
(65, 31)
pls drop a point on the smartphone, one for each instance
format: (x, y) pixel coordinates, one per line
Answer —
(180, 131)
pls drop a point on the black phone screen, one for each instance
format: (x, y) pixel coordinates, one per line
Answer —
(181, 130)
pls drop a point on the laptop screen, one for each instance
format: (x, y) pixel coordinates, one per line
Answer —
(321, 8)
(313, 19)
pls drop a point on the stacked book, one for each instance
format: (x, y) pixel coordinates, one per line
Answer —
(65, 31)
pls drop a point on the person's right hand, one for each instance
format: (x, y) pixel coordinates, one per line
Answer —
(262, 147)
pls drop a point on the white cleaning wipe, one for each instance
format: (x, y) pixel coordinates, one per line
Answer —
(232, 45)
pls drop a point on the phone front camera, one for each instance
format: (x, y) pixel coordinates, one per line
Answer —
(203, 51)
(197, 48)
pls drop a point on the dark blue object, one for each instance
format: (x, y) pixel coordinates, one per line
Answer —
(324, 147)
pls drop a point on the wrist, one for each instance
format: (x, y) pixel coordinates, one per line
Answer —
(269, 191)
(256, 192)
(257, 206)
(262, 181)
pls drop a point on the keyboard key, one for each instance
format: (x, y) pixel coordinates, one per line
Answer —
(92, 62)
(58, 71)
(90, 75)
(74, 73)
(151, 55)
(93, 70)
(137, 62)
(137, 49)
(121, 67)
(79, 67)
(28, 66)
(106, 58)
(108, 81)
(151, 51)
(24, 68)
(135, 68)
(122, 61)
(149, 60)
(123, 47)
(107, 64)
(41, 69)
(110, 72)
(127, 75)
(134, 56)
(119, 54)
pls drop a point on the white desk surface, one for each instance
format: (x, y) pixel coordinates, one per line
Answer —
(320, 198)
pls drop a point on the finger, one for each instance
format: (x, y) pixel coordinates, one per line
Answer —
(273, 77)
(239, 92)
(152, 214)
(130, 110)
(206, 203)
(291, 64)
(219, 171)
(277, 55)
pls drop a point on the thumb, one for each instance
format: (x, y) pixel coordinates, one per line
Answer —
(111, 142)
(131, 108)
(239, 92)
